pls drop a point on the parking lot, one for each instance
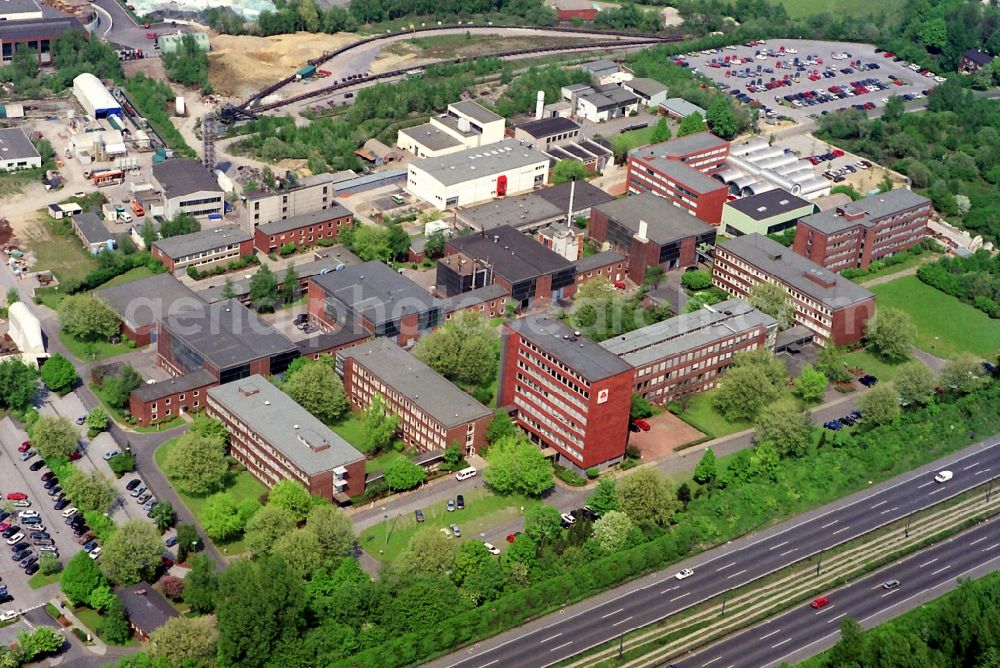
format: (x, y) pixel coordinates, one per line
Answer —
(831, 76)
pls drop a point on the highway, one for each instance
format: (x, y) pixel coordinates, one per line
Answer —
(796, 631)
(561, 636)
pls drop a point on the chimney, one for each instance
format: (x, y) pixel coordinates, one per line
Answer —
(643, 229)
(540, 104)
(569, 212)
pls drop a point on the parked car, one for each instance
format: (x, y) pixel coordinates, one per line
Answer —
(133, 483)
(51, 483)
(460, 502)
(137, 491)
(55, 491)
(24, 447)
(492, 549)
(16, 496)
(61, 503)
(36, 466)
(31, 570)
(23, 503)
(868, 380)
(833, 425)
(86, 537)
(48, 475)
(19, 546)
(455, 531)
(81, 419)
(511, 537)
(28, 455)
(172, 540)
(27, 513)
(451, 506)
(75, 455)
(96, 553)
(90, 545)
(642, 424)
(567, 519)
(111, 453)
(19, 555)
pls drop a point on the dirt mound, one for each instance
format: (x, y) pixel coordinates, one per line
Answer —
(241, 64)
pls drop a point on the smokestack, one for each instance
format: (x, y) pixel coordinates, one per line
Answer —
(641, 234)
(569, 212)
(540, 104)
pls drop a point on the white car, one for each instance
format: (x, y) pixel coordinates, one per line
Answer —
(69, 512)
(27, 513)
(567, 519)
(492, 549)
(684, 574)
(8, 615)
(48, 548)
(944, 476)
(96, 552)
(111, 453)
(24, 503)
(16, 538)
(939, 79)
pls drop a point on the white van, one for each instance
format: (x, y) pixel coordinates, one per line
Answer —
(466, 473)
(69, 512)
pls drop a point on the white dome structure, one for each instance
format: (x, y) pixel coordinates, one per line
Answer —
(25, 331)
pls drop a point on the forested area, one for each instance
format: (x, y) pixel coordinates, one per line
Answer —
(72, 54)
(974, 279)
(951, 152)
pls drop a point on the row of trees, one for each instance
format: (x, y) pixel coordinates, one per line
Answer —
(72, 55)
(974, 279)
(188, 64)
(465, 350)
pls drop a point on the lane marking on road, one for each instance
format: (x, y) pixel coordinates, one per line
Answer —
(490, 663)
(825, 608)
(970, 466)
(929, 482)
(889, 511)
(550, 638)
(794, 549)
(786, 640)
(840, 530)
(622, 621)
(928, 563)
(677, 598)
(777, 546)
(890, 592)
(935, 491)
(730, 577)
(565, 644)
(709, 663)
(980, 471)
(664, 591)
(978, 540)
(612, 613)
(764, 637)
(941, 570)
(733, 563)
(880, 503)
(831, 621)
(829, 524)
(991, 547)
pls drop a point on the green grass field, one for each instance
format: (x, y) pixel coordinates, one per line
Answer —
(701, 415)
(131, 275)
(352, 430)
(863, 359)
(945, 326)
(483, 511)
(799, 8)
(62, 254)
(38, 580)
(92, 351)
(382, 461)
(627, 141)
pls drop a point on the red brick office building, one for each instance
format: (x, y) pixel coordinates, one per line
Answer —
(565, 391)
(680, 171)
(165, 400)
(611, 265)
(304, 230)
(829, 305)
(856, 234)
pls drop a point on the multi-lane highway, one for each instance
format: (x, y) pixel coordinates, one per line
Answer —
(722, 569)
(781, 637)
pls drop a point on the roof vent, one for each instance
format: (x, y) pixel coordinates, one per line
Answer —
(295, 426)
(267, 403)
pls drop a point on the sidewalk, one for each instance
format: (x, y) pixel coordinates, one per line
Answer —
(97, 646)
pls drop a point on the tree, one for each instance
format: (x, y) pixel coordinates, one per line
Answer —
(542, 524)
(228, 288)
(114, 627)
(25, 62)
(293, 497)
(773, 300)
(647, 496)
(765, 360)
(653, 277)
(289, 285)
(517, 466)
(832, 362)
(149, 236)
(59, 374)
(501, 426)
(691, 124)
(464, 350)
(915, 383)
(182, 223)
(201, 585)
(102, 598)
(260, 604)
(116, 388)
(39, 642)
(264, 290)
(403, 474)
(707, 469)
(604, 498)
(434, 244)
(696, 280)
(89, 491)
(132, 552)
(721, 118)
(743, 391)
(429, 551)
(380, 425)
(80, 577)
(849, 649)
(891, 334)
(811, 384)
(97, 420)
(880, 405)
(122, 463)
(786, 426)
(221, 518)
(54, 437)
(197, 464)
(612, 530)
(266, 526)
(188, 64)
(639, 408)
(333, 530)
(964, 375)
(17, 384)
(87, 318)
(368, 242)
(163, 515)
(300, 550)
(316, 387)
(568, 170)
(185, 641)
(398, 240)
(187, 540)
(661, 132)
(49, 564)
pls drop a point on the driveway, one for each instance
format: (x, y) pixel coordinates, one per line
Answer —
(667, 432)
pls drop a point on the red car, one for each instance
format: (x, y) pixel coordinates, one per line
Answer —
(75, 455)
(511, 537)
(642, 424)
(820, 602)
(619, 284)
(24, 447)
(837, 153)
(16, 496)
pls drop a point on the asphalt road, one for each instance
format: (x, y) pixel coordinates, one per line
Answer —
(725, 568)
(865, 599)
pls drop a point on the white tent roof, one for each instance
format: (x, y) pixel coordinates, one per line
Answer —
(26, 332)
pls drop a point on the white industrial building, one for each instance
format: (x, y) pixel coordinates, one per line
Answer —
(464, 125)
(601, 103)
(99, 145)
(755, 166)
(94, 97)
(16, 151)
(477, 174)
(188, 187)
(20, 10)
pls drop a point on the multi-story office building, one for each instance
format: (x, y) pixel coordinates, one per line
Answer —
(686, 354)
(829, 305)
(433, 413)
(856, 234)
(567, 392)
(302, 231)
(218, 244)
(311, 194)
(276, 439)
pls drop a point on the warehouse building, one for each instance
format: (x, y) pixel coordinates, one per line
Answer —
(533, 211)
(35, 34)
(189, 188)
(477, 174)
(651, 93)
(172, 42)
(94, 97)
(16, 151)
(545, 132)
(464, 125)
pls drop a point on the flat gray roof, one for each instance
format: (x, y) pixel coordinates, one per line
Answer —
(463, 166)
(645, 86)
(579, 353)
(431, 136)
(791, 268)
(295, 222)
(515, 256)
(14, 144)
(768, 204)
(546, 127)
(143, 302)
(873, 208)
(682, 146)
(376, 292)
(600, 65)
(475, 111)
(18, 6)
(598, 260)
(665, 222)
(180, 177)
(306, 182)
(681, 107)
(679, 171)
(687, 332)
(473, 297)
(434, 394)
(287, 427)
(197, 242)
(518, 211)
(164, 388)
(585, 195)
(92, 228)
